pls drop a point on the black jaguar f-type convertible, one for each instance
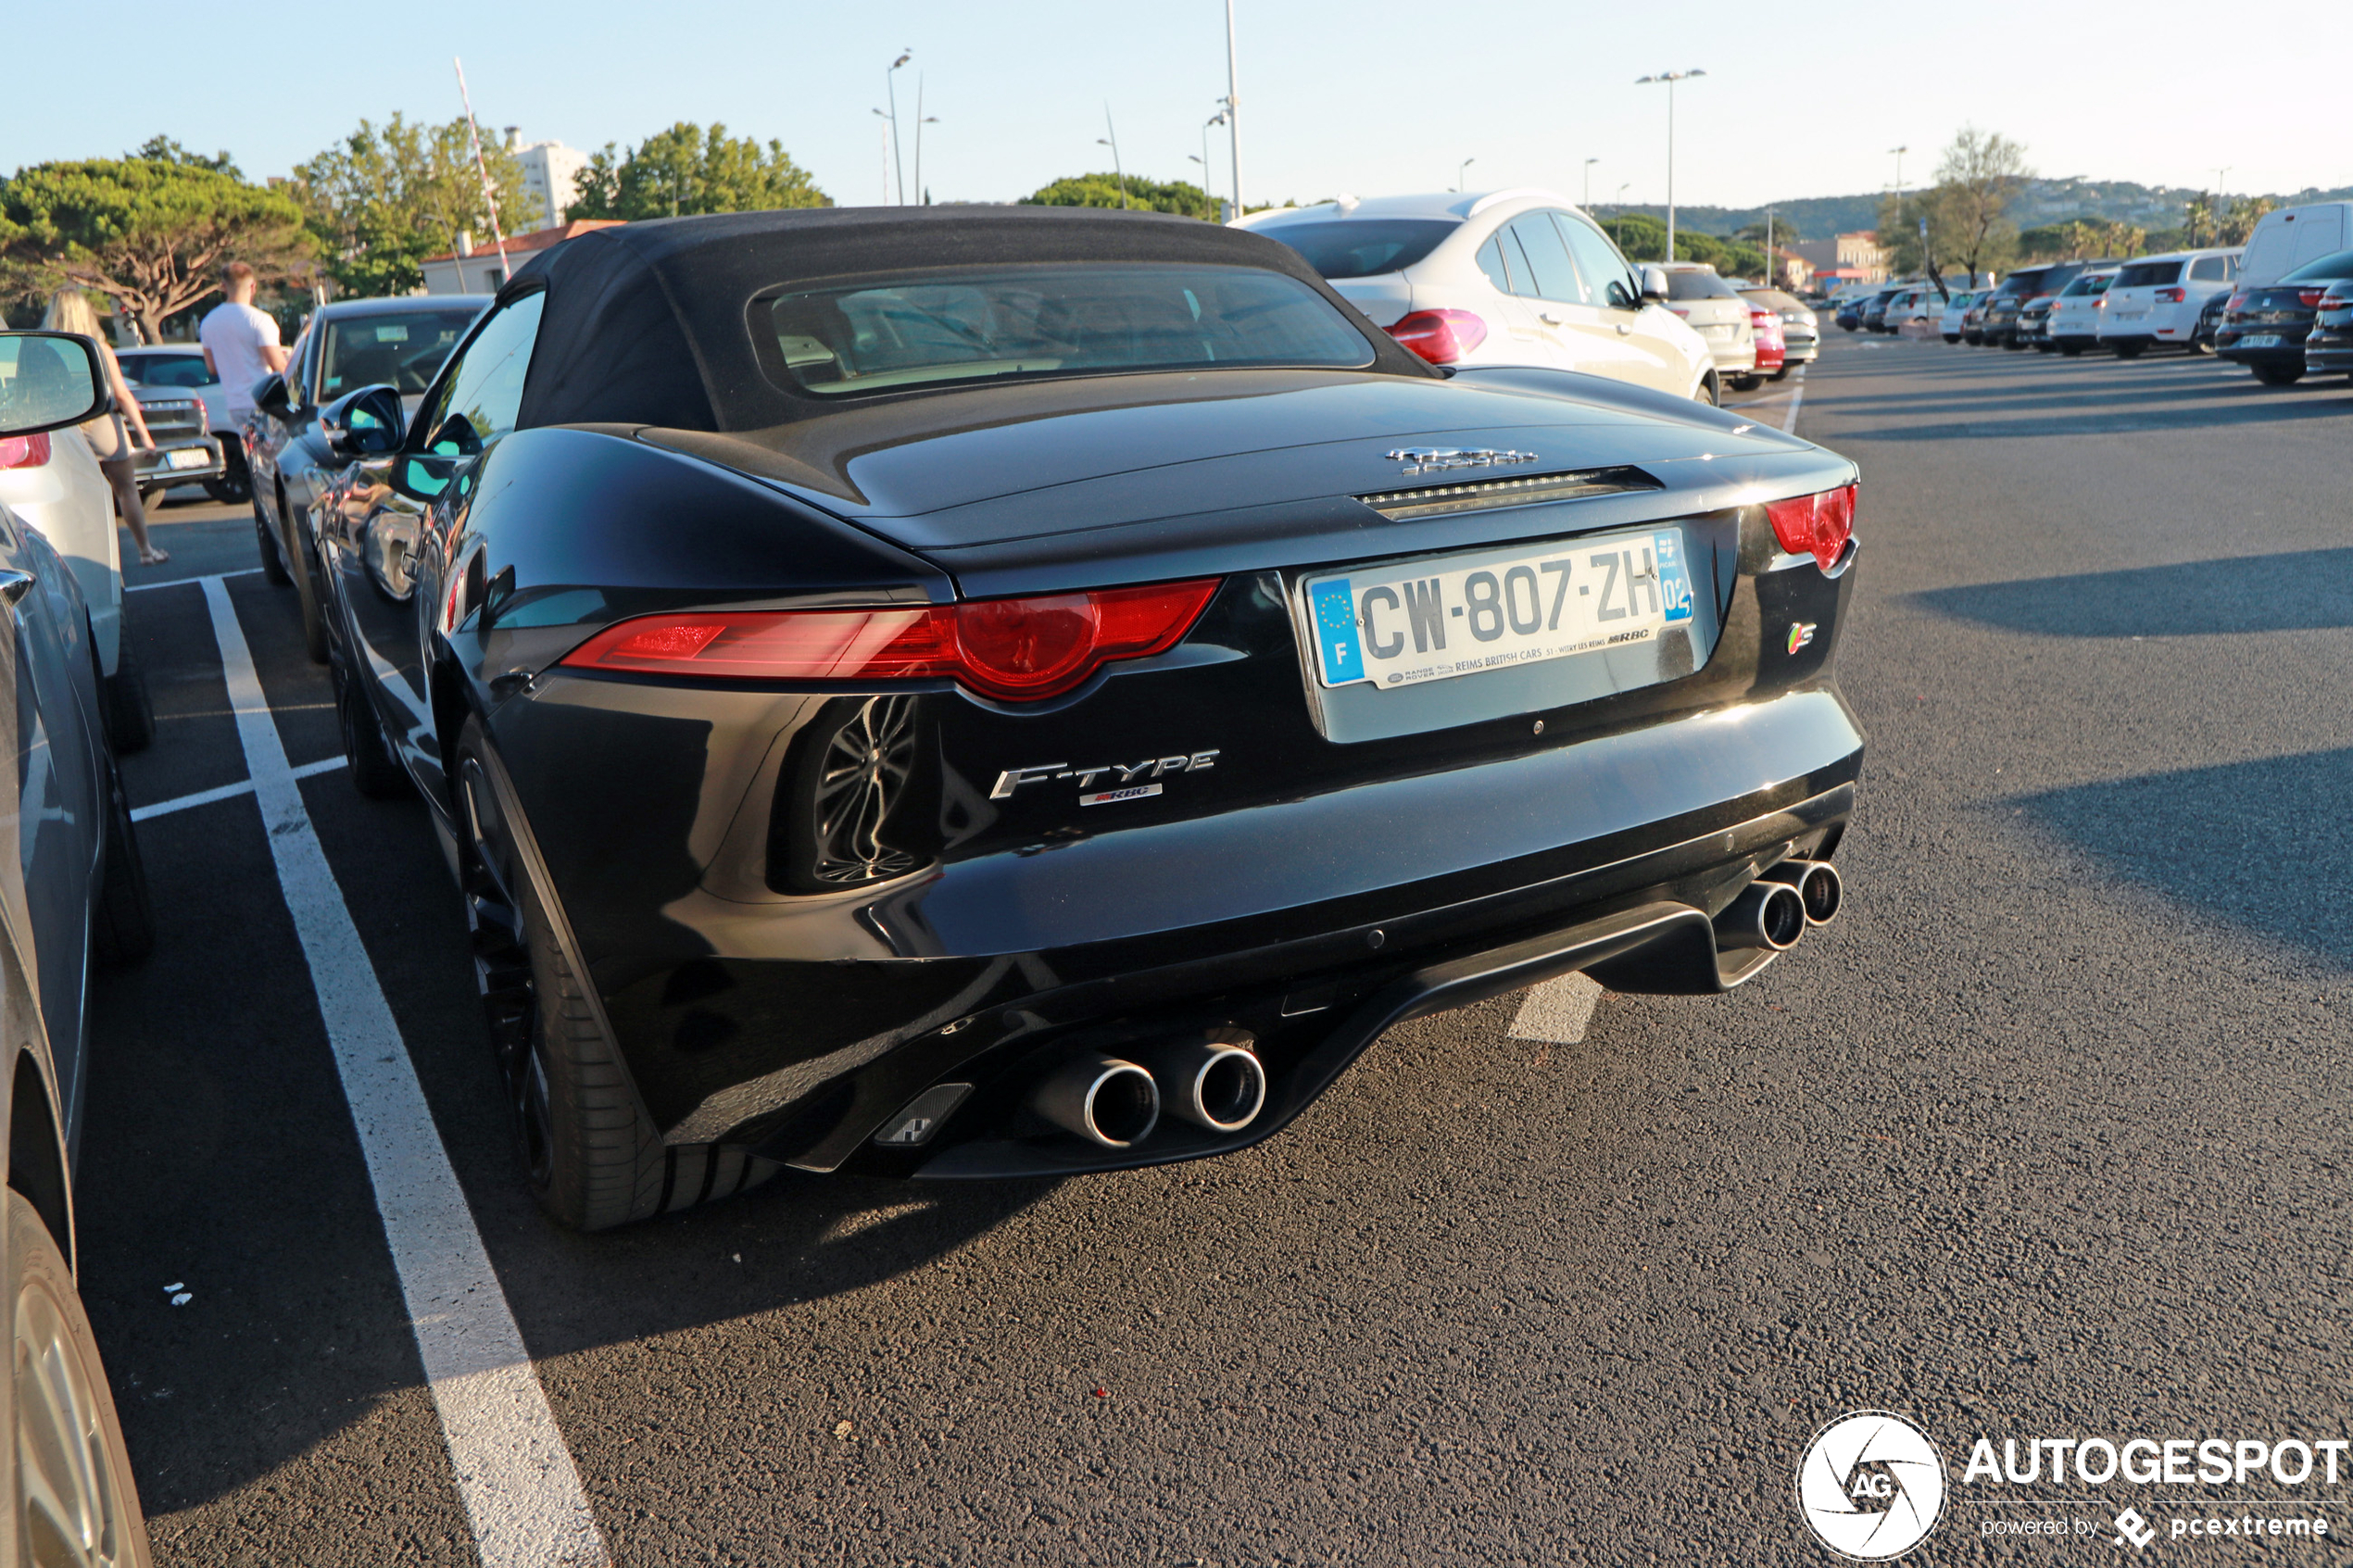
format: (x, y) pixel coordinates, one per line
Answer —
(971, 692)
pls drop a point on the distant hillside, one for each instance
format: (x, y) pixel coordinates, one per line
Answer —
(2042, 201)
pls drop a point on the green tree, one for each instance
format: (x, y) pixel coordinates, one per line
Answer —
(388, 196)
(152, 232)
(1980, 175)
(1640, 236)
(1145, 196)
(688, 169)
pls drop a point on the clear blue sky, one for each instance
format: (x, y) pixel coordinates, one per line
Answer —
(1375, 97)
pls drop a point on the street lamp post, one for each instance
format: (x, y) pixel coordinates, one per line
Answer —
(1671, 78)
(1118, 172)
(1588, 183)
(1233, 109)
(888, 141)
(890, 84)
(1462, 175)
(1899, 153)
(923, 197)
(1217, 119)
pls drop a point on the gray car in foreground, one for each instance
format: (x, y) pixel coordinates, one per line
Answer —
(71, 891)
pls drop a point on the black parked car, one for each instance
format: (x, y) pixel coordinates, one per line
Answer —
(351, 344)
(2209, 322)
(2264, 327)
(1875, 310)
(76, 896)
(2328, 348)
(963, 692)
(2032, 328)
(1849, 314)
(2028, 284)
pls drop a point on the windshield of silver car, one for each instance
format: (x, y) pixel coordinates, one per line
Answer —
(892, 333)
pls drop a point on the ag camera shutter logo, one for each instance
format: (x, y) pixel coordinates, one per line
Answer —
(1870, 1486)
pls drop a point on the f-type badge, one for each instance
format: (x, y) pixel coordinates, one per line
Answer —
(1432, 460)
(1109, 783)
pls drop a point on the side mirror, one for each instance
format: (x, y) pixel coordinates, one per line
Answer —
(365, 423)
(49, 381)
(269, 395)
(1653, 281)
(422, 476)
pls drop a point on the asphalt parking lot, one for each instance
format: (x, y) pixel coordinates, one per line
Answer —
(2046, 1135)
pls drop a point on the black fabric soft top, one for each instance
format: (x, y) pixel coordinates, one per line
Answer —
(646, 323)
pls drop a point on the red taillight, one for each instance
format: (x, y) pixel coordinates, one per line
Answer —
(2237, 302)
(2333, 301)
(1817, 525)
(1017, 649)
(1440, 336)
(2308, 297)
(24, 451)
(2171, 296)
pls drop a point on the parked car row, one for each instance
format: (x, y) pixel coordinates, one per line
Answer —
(2282, 304)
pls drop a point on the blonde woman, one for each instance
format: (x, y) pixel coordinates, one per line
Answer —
(70, 312)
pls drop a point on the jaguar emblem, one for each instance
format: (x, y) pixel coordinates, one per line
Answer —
(1434, 460)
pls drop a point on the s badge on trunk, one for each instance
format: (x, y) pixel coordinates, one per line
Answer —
(1107, 784)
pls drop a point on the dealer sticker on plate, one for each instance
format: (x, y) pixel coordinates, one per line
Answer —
(1404, 622)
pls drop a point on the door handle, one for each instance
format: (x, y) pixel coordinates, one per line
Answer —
(1625, 329)
(14, 586)
(1548, 320)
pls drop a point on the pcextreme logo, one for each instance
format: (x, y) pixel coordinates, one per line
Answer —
(1870, 1486)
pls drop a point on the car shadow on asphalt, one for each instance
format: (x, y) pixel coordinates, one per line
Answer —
(2008, 397)
(2224, 597)
(2107, 419)
(2192, 835)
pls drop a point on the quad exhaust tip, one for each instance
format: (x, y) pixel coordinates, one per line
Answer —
(1110, 1103)
(1215, 1084)
(1767, 914)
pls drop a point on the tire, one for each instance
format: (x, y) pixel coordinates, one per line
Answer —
(2278, 376)
(230, 487)
(1782, 374)
(1709, 391)
(130, 716)
(1747, 384)
(2072, 350)
(122, 926)
(590, 1155)
(2130, 350)
(375, 772)
(314, 620)
(273, 563)
(73, 1481)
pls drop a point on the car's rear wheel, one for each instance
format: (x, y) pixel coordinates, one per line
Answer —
(274, 564)
(1747, 384)
(1708, 391)
(367, 753)
(130, 713)
(591, 1155)
(76, 1503)
(2070, 349)
(122, 924)
(2278, 376)
(2129, 349)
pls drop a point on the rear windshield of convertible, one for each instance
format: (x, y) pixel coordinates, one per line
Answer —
(882, 334)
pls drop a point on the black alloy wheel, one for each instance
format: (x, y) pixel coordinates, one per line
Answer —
(860, 780)
(590, 1154)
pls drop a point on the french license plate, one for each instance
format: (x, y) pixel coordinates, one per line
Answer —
(1718, 329)
(2259, 340)
(1404, 622)
(2128, 315)
(186, 457)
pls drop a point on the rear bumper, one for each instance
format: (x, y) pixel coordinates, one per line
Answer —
(2328, 352)
(157, 466)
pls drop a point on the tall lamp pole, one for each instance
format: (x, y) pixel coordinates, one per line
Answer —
(1671, 78)
(891, 85)
(1217, 119)
(923, 197)
(1118, 172)
(1588, 183)
(1233, 108)
(1462, 175)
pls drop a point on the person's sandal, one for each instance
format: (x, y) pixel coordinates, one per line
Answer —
(151, 556)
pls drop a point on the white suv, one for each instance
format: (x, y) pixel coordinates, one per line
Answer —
(2157, 298)
(1509, 278)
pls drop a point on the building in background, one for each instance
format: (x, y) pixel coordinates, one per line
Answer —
(550, 171)
(1849, 259)
(473, 269)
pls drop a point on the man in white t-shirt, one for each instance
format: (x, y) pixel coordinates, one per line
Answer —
(240, 342)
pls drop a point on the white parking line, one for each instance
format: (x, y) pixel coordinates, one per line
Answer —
(520, 1489)
(1796, 396)
(226, 792)
(1557, 1011)
(184, 582)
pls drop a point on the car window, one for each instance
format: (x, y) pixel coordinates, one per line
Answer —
(882, 335)
(169, 369)
(2084, 285)
(2325, 270)
(401, 350)
(2209, 270)
(1491, 261)
(1606, 274)
(1363, 248)
(1693, 284)
(2144, 274)
(483, 388)
(1555, 275)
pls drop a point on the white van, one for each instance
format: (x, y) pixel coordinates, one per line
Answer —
(2157, 298)
(2286, 240)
